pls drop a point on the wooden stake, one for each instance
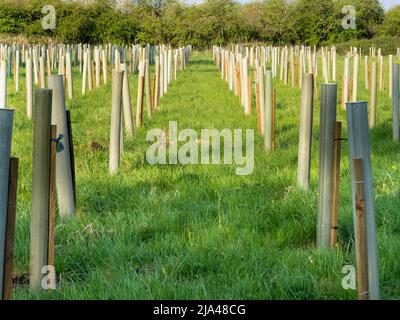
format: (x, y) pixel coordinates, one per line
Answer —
(71, 152)
(336, 183)
(361, 240)
(52, 209)
(10, 229)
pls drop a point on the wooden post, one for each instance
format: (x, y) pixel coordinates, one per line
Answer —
(336, 183)
(361, 237)
(10, 229)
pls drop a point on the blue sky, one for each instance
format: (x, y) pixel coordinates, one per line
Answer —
(390, 3)
(386, 3)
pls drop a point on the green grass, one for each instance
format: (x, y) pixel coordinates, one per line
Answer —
(201, 232)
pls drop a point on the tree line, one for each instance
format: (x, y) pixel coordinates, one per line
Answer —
(220, 22)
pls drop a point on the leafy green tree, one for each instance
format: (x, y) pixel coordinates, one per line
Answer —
(279, 25)
(253, 18)
(312, 22)
(391, 23)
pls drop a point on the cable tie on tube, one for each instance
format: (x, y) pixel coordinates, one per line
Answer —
(360, 182)
(59, 144)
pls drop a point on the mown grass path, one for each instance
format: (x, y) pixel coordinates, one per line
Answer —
(200, 231)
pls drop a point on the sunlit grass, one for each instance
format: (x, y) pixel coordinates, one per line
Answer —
(201, 232)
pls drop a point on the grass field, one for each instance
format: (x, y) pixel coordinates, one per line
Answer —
(201, 232)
